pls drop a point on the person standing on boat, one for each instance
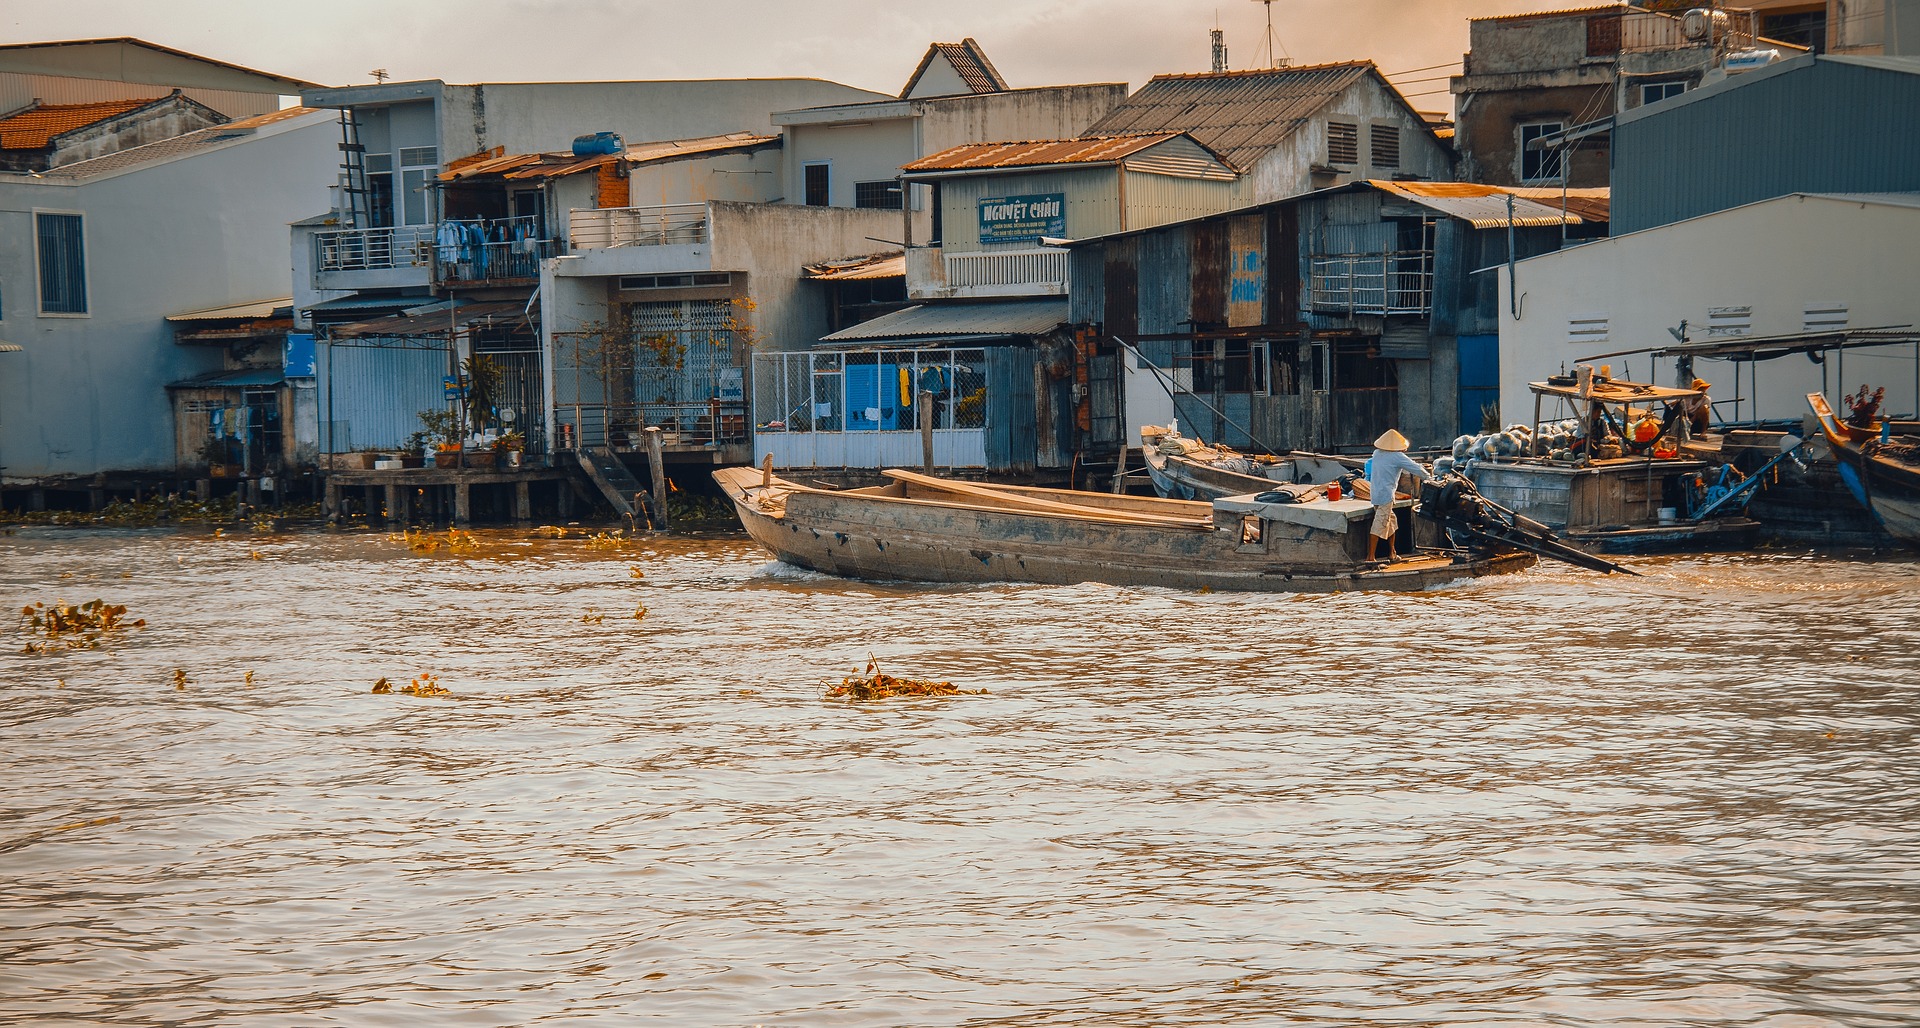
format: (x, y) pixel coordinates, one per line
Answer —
(1389, 462)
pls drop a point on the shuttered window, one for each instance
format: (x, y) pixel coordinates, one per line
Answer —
(1729, 321)
(1588, 329)
(60, 239)
(1386, 146)
(1824, 317)
(1343, 143)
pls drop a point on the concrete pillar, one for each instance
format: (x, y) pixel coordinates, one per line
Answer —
(563, 499)
(36, 498)
(253, 492)
(394, 512)
(462, 504)
(522, 501)
(332, 507)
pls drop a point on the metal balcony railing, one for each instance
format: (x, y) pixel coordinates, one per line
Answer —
(1372, 283)
(662, 225)
(1043, 268)
(372, 249)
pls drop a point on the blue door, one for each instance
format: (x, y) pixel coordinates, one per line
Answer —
(1479, 379)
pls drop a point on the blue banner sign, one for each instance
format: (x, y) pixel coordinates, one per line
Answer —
(1023, 219)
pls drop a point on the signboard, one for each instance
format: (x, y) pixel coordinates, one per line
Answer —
(297, 359)
(1023, 219)
(452, 388)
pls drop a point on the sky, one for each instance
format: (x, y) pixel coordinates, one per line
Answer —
(858, 42)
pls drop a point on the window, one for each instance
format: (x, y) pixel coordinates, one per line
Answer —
(1729, 321)
(1343, 143)
(380, 189)
(883, 195)
(1654, 92)
(1544, 164)
(704, 278)
(817, 183)
(1386, 146)
(1825, 316)
(61, 243)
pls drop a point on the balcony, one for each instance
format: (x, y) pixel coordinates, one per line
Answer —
(373, 258)
(494, 251)
(1372, 283)
(674, 224)
(933, 274)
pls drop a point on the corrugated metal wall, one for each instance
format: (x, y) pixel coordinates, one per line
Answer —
(1087, 270)
(372, 396)
(1159, 199)
(1012, 439)
(1165, 289)
(1092, 207)
(1821, 126)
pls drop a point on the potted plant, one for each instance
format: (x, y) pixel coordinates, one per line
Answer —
(416, 452)
(443, 428)
(510, 446)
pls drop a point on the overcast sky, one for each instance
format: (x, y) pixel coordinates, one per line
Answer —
(864, 43)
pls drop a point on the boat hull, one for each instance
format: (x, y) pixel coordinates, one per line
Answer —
(1887, 487)
(885, 539)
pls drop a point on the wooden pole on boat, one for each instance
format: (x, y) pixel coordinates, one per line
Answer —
(657, 470)
(766, 472)
(1120, 472)
(926, 431)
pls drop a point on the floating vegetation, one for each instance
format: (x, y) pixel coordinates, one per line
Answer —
(549, 532)
(640, 612)
(453, 540)
(166, 511)
(180, 678)
(877, 685)
(425, 684)
(607, 541)
(592, 616)
(634, 571)
(64, 626)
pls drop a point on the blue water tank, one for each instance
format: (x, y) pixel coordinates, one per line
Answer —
(598, 143)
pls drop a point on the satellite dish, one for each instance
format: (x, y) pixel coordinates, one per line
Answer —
(506, 415)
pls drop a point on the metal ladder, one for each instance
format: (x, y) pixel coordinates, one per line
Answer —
(354, 192)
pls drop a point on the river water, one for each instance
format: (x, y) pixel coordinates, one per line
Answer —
(1550, 798)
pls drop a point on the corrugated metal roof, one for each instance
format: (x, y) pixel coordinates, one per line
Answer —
(1481, 206)
(521, 166)
(1240, 115)
(358, 302)
(1564, 12)
(435, 322)
(35, 126)
(860, 269)
(1595, 204)
(232, 379)
(256, 309)
(179, 146)
(969, 61)
(1033, 152)
(997, 318)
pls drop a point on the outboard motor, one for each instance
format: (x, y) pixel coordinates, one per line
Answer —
(1453, 501)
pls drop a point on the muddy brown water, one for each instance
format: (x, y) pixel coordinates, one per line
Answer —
(1551, 798)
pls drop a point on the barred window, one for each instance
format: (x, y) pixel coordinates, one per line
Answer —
(63, 263)
(1343, 143)
(818, 182)
(884, 195)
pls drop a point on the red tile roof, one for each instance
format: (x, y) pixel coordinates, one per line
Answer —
(35, 127)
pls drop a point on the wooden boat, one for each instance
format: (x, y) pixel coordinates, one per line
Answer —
(1880, 469)
(920, 528)
(1611, 501)
(1200, 472)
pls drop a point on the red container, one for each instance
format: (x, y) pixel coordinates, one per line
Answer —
(1333, 490)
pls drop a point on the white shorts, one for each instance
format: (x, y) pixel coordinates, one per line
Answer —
(1384, 521)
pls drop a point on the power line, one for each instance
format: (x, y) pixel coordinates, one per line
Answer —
(1431, 67)
(1429, 78)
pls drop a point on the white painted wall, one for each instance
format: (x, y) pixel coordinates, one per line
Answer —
(198, 231)
(1776, 256)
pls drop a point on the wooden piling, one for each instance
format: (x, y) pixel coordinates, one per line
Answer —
(657, 470)
(926, 431)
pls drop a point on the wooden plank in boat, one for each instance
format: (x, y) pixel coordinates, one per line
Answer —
(1036, 505)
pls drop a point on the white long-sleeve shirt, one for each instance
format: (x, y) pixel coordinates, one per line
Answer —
(1385, 471)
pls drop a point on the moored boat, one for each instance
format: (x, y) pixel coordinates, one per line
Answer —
(1880, 469)
(1187, 469)
(919, 528)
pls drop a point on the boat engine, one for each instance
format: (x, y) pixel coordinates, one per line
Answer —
(1470, 517)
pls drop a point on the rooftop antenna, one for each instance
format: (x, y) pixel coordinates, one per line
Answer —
(1219, 51)
(380, 75)
(1274, 60)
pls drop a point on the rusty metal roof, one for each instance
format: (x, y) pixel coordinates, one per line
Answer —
(860, 269)
(1479, 205)
(1037, 152)
(34, 127)
(1240, 115)
(1562, 13)
(968, 61)
(520, 166)
(1588, 204)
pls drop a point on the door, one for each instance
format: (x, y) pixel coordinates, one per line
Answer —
(1479, 380)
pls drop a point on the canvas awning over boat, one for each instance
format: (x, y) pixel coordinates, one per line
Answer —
(960, 322)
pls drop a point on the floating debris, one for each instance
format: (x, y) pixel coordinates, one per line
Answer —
(454, 540)
(592, 616)
(64, 626)
(249, 682)
(382, 686)
(550, 532)
(607, 541)
(640, 612)
(426, 684)
(876, 685)
(634, 571)
(180, 678)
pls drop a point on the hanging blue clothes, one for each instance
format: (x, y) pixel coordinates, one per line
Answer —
(448, 239)
(477, 250)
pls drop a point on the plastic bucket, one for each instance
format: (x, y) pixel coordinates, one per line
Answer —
(1669, 515)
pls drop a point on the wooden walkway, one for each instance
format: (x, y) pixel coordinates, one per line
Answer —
(398, 495)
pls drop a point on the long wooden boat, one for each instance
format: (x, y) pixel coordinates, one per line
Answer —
(1883, 473)
(920, 528)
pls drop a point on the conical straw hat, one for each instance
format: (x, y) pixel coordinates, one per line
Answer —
(1390, 440)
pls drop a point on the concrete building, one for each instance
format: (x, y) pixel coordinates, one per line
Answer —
(1313, 322)
(1862, 27)
(87, 71)
(1533, 99)
(1790, 265)
(1820, 124)
(95, 255)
